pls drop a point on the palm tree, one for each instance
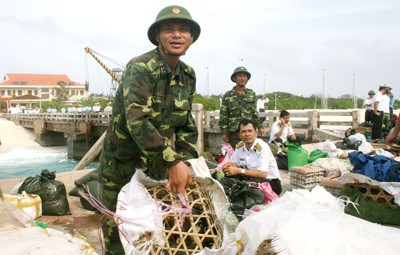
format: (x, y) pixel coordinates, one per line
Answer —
(62, 91)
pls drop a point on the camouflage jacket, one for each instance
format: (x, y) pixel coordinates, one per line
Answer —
(151, 105)
(234, 108)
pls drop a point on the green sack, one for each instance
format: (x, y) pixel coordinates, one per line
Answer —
(241, 195)
(369, 209)
(91, 176)
(316, 155)
(51, 191)
(95, 189)
(92, 182)
(297, 155)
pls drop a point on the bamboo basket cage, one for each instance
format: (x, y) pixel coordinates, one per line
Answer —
(265, 248)
(188, 233)
(375, 193)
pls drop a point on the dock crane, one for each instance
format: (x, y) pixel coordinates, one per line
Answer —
(97, 147)
(115, 72)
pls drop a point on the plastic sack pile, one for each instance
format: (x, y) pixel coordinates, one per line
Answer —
(19, 234)
(303, 222)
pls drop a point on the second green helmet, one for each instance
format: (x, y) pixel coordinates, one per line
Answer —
(170, 13)
(240, 69)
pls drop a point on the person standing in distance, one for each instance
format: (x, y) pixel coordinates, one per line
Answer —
(261, 105)
(377, 119)
(237, 104)
(369, 111)
(152, 104)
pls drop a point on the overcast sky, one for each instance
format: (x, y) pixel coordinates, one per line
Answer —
(285, 44)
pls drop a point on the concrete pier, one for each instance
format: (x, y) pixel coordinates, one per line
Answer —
(79, 131)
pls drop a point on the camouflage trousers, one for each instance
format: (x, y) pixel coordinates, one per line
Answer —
(234, 138)
(387, 121)
(109, 198)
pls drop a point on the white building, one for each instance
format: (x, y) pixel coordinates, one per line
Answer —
(24, 90)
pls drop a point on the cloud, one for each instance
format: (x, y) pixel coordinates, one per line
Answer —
(285, 44)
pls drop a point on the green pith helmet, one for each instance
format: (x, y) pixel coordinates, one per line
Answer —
(371, 92)
(240, 69)
(173, 12)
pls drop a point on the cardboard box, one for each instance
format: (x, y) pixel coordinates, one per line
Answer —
(332, 185)
(306, 177)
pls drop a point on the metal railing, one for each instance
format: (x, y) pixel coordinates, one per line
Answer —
(96, 118)
(305, 119)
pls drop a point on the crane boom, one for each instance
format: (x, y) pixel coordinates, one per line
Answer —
(108, 70)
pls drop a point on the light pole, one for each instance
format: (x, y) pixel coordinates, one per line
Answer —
(315, 102)
(207, 82)
(276, 98)
(265, 84)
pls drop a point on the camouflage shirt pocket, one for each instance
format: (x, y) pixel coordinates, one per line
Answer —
(182, 105)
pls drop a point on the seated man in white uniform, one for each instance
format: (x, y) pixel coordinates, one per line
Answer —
(253, 159)
(282, 130)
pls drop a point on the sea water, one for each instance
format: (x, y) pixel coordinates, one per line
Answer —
(30, 161)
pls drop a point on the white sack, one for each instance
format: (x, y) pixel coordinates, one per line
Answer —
(315, 223)
(35, 240)
(303, 223)
(137, 214)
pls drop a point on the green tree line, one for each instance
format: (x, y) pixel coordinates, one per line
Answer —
(277, 100)
(284, 100)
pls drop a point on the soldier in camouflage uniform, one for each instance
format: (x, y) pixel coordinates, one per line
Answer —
(237, 104)
(152, 104)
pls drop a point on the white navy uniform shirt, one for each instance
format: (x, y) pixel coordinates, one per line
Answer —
(367, 101)
(287, 131)
(259, 157)
(379, 98)
(385, 103)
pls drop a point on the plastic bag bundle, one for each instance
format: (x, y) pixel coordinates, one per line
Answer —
(51, 191)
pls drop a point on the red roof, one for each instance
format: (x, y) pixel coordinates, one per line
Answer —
(37, 79)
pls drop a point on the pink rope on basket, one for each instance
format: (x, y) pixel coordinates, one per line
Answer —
(180, 206)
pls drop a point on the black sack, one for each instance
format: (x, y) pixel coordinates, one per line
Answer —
(282, 161)
(51, 191)
(241, 195)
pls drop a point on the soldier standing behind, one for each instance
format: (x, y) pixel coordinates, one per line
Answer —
(369, 111)
(152, 104)
(237, 104)
(377, 119)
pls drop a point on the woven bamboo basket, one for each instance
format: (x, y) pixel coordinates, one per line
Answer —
(375, 193)
(200, 229)
(265, 248)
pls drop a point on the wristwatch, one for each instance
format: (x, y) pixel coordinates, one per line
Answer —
(242, 171)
